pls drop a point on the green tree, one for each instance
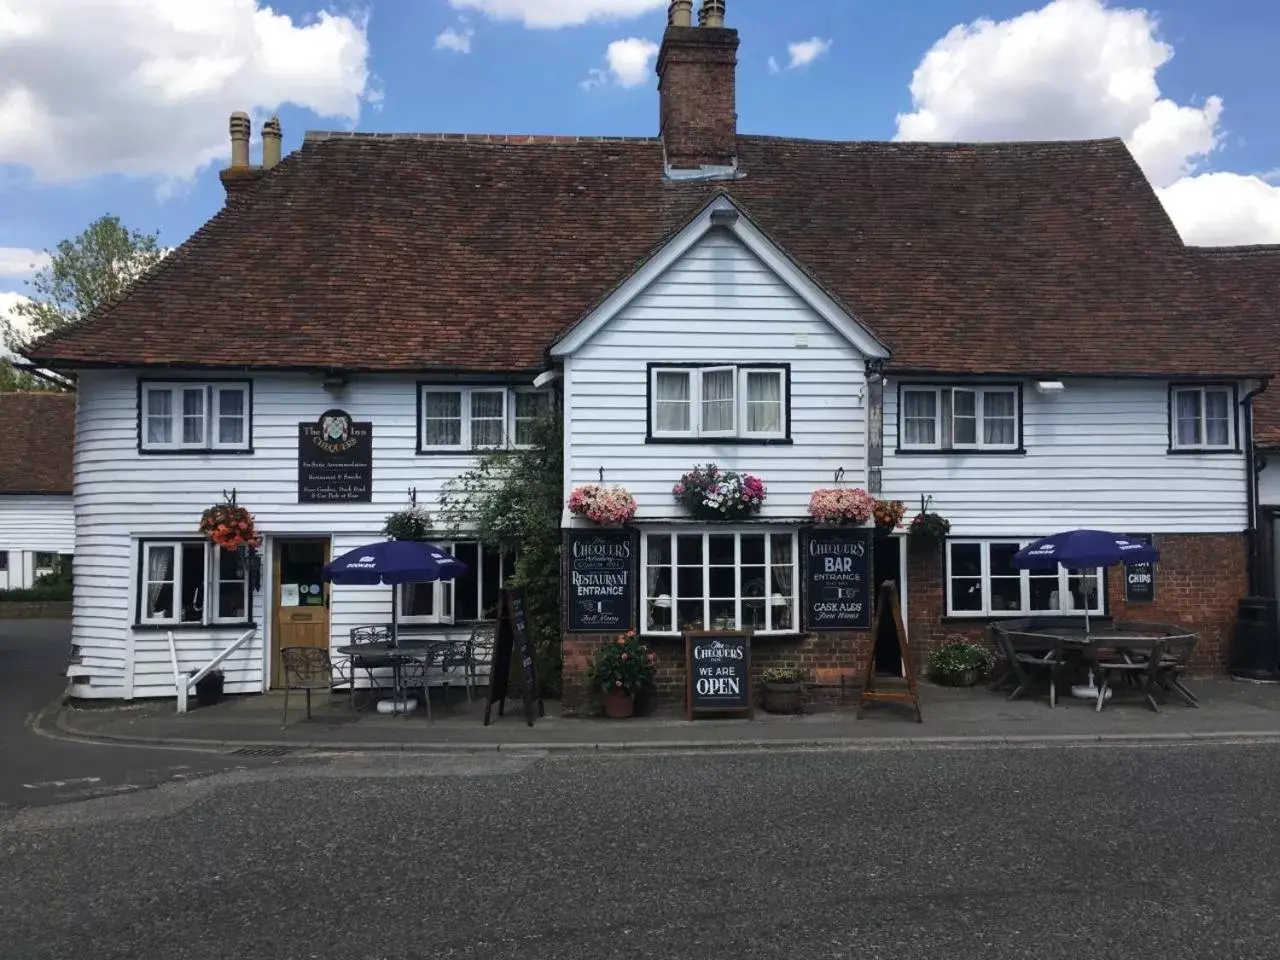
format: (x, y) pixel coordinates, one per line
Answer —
(85, 272)
(511, 501)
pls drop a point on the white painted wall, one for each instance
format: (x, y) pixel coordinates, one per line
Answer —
(1097, 455)
(1269, 482)
(122, 495)
(716, 304)
(31, 525)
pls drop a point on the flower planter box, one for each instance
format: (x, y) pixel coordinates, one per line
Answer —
(783, 697)
(965, 678)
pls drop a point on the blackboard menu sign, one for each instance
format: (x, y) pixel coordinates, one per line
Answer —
(601, 581)
(335, 460)
(513, 641)
(717, 673)
(837, 579)
(1140, 578)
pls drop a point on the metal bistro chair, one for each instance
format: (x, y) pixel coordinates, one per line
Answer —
(305, 668)
(470, 655)
(379, 637)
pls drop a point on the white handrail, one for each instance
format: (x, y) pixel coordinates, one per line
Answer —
(184, 684)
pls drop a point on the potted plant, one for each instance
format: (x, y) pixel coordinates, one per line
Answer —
(605, 505)
(209, 687)
(709, 493)
(959, 664)
(888, 515)
(783, 689)
(411, 523)
(622, 670)
(836, 505)
(928, 529)
(230, 526)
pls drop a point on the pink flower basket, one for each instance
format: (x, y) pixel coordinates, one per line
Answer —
(839, 506)
(605, 505)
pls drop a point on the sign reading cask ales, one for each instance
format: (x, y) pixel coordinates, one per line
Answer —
(601, 584)
(836, 565)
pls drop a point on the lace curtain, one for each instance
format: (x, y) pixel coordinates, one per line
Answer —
(672, 407)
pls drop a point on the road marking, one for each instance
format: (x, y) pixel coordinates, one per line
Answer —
(61, 783)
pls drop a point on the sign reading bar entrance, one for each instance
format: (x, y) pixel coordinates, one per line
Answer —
(837, 579)
(513, 641)
(717, 670)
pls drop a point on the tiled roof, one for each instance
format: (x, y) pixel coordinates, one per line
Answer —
(389, 252)
(1247, 281)
(37, 433)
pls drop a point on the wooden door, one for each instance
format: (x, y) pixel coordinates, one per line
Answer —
(300, 599)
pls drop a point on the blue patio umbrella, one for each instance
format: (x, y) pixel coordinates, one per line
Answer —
(1083, 549)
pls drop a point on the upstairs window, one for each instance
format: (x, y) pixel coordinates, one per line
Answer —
(718, 402)
(194, 417)
(1203, 418)
(959, 418)
(479, 418)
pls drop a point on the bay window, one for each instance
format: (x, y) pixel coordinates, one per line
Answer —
(982, 581)
(1203, 418)
(719, 581)
(936, 417)
(191, 582)
(718, 402)
(473, 596)
(186, 417)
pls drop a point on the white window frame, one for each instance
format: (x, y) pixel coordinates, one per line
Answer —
(1024, 577)
(211, 414)
(695, 375)
(1203, 443)
(515, 404)
(210, 583)
(445, 613)
(737, 533)
(465, 432)
(944, 400)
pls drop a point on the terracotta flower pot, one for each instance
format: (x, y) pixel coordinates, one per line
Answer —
(783, 697)
(618, 704)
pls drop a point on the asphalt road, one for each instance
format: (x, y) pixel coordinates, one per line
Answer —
(1146, 852)
(35, 770)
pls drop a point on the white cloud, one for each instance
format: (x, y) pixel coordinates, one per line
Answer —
(551, 14)
(629, 62)
(9, 300)
(804, 52)
(145, 87)
(774, 66)
(455, 39)
(1077, 69)
(20, 261)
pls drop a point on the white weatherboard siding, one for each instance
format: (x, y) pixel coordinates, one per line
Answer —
(1269, 482)
(716, 304)
(122, 496)
(1097, 455)
(31, 525)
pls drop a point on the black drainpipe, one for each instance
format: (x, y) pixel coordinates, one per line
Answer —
(1252, 560)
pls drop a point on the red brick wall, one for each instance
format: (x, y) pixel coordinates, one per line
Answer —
(697, 97)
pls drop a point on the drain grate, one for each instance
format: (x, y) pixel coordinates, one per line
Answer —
(262, 752)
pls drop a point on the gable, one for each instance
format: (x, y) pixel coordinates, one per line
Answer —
(710, 251)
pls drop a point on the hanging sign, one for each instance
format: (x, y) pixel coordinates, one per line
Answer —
(335, 460)
(1140, 578)
(837, 579)
(717, 670)
(601, 584)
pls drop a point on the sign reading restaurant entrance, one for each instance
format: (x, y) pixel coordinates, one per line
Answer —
(837, 579)
(717, 670)
(602, 580)
(513, 641)
(335, 460)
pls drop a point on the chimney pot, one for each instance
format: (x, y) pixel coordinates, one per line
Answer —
(680, 13)
(697, 80)
(711, 14)
(271, 142)
(240, 139)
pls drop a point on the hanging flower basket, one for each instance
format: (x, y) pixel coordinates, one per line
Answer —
(411, 523)
(889, 514)
(839, 506)
(927, 529)
(709, 493)
(230, 526)
(602, 504)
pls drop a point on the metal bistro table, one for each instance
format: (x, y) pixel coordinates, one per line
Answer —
(417, 650)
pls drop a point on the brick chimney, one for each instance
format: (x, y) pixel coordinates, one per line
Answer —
(697, 89)
(240, 176)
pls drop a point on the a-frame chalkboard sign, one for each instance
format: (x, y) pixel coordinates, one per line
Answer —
(887, 604)
(513, 641)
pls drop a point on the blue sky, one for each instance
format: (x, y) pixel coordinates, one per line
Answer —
(138, 127)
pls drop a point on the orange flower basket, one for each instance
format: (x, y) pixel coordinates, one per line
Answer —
(230, 526)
